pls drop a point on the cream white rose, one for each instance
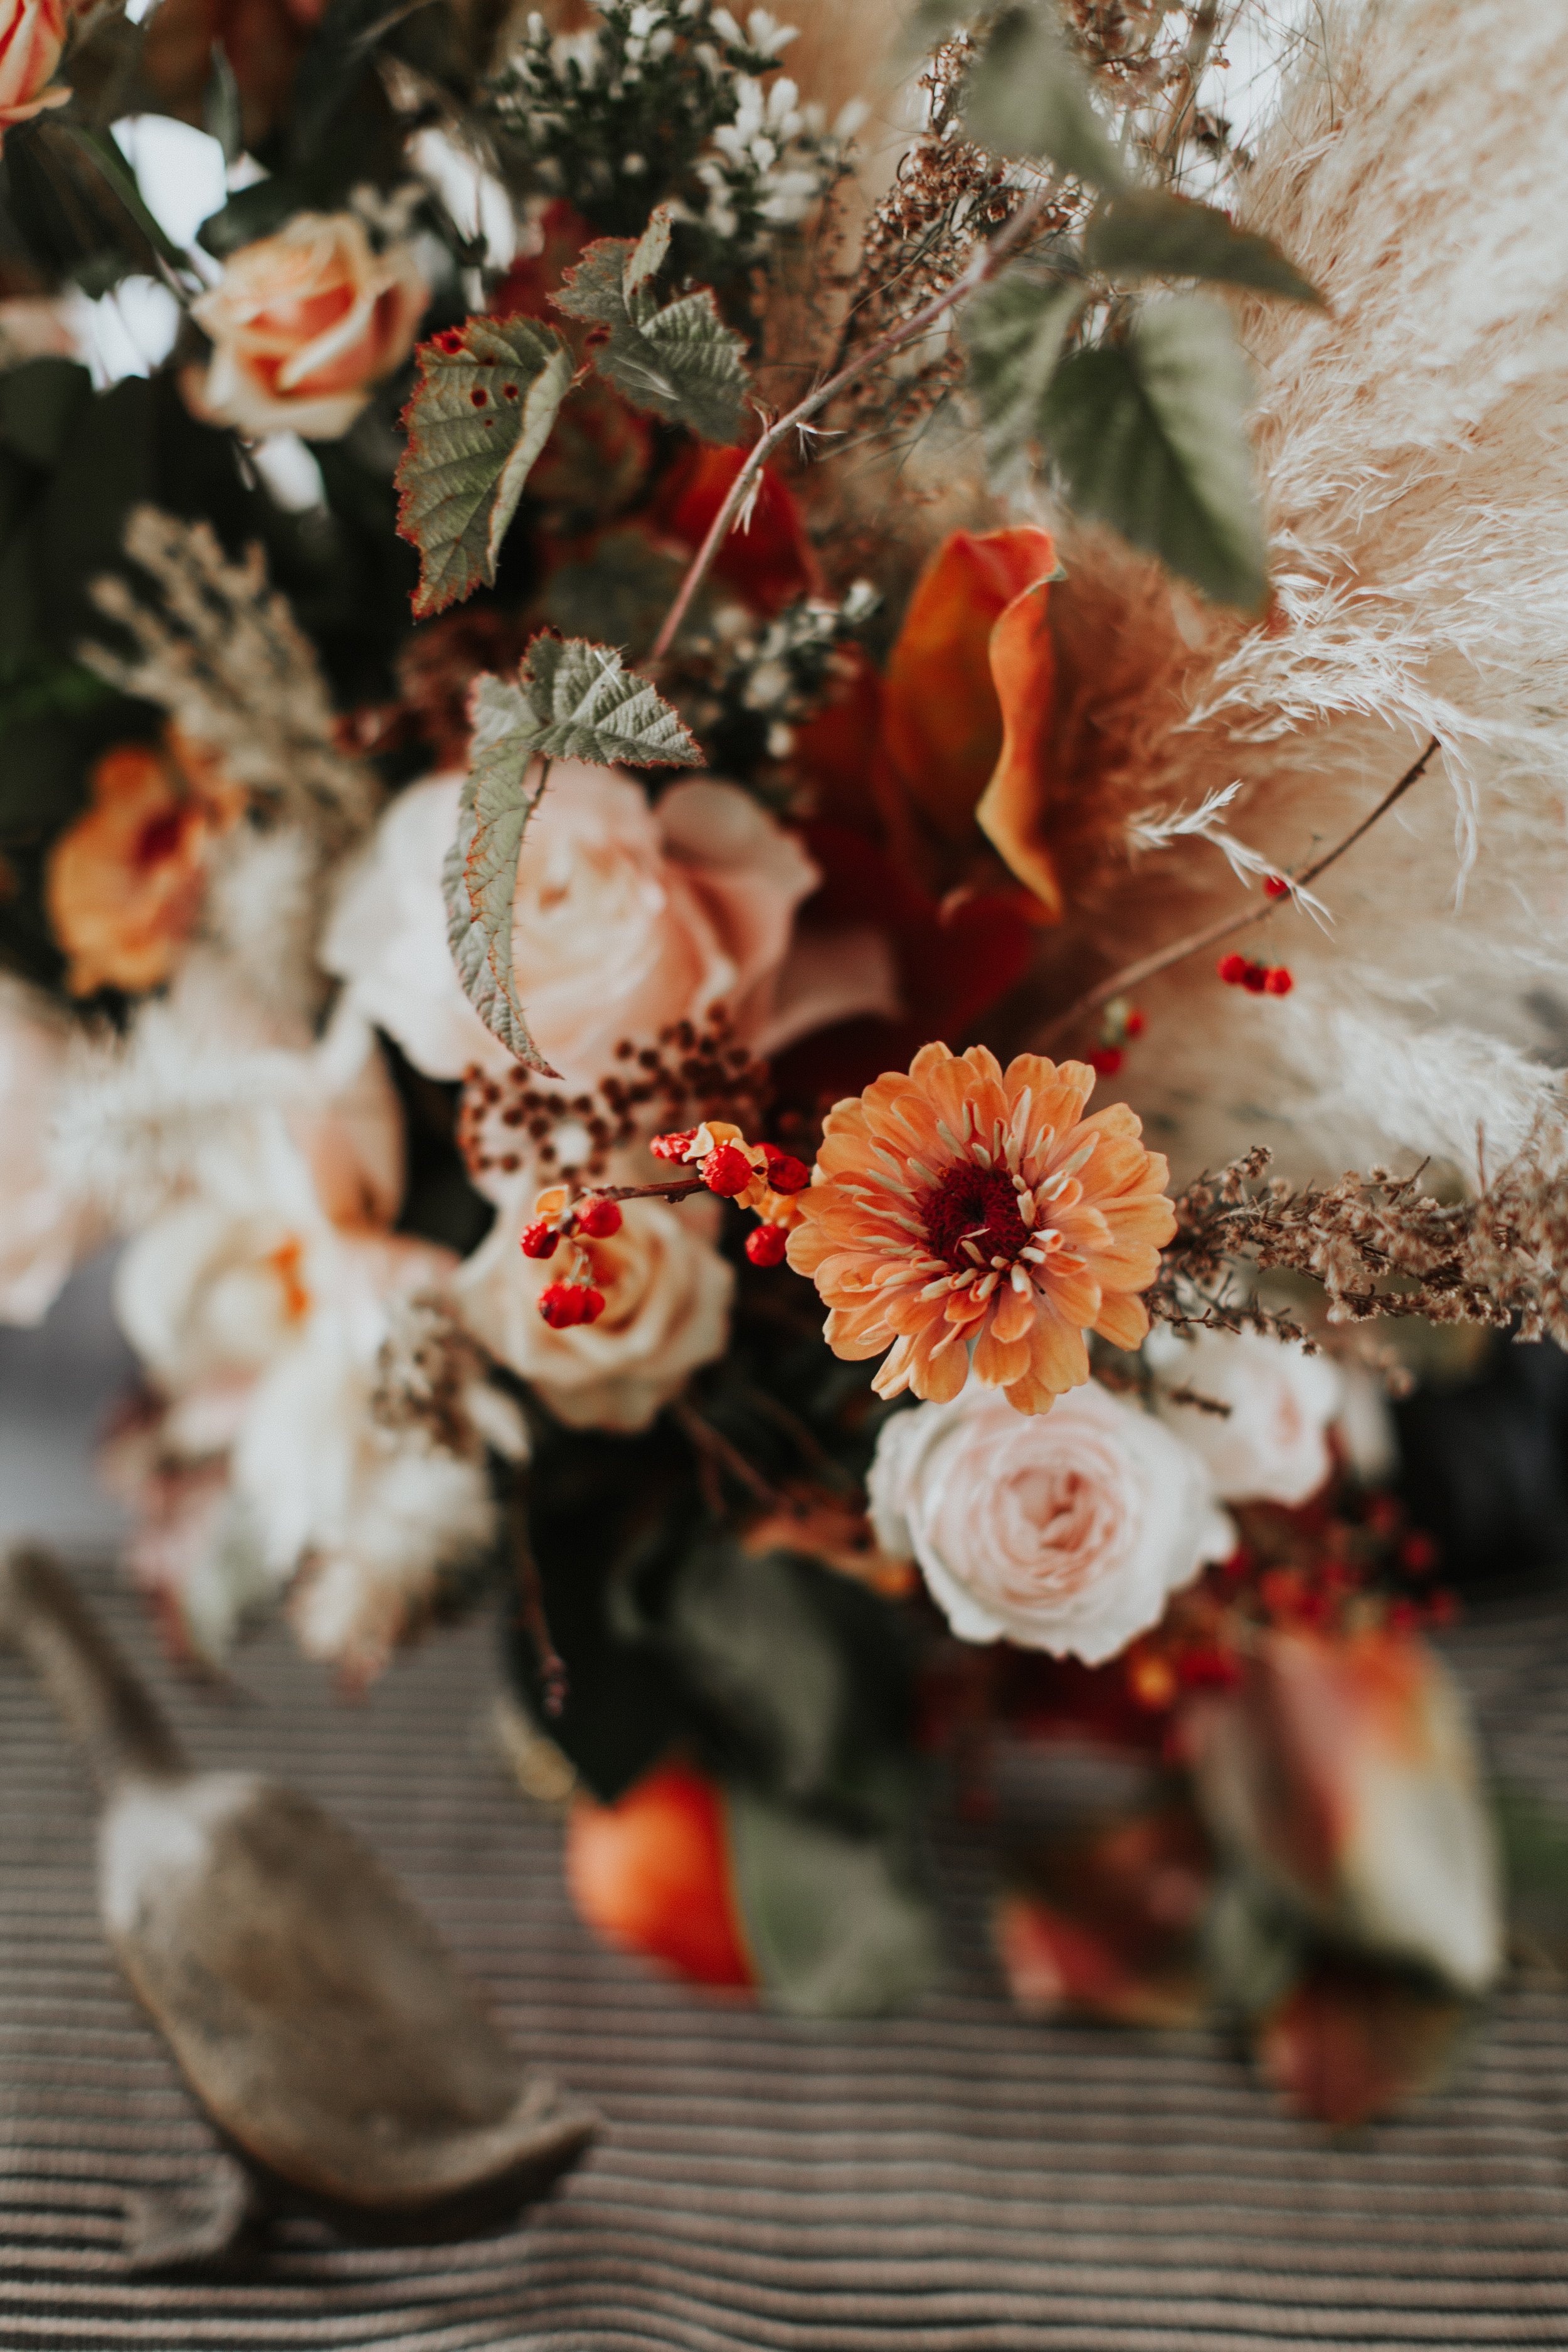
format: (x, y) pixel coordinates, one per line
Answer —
(44, 1227)
(302, 324)
(667, 1310)
(1064, 1531)
(1272, 1446)
(628, 917)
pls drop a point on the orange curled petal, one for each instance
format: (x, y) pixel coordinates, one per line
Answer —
(1123, 1319)
(1012, 809)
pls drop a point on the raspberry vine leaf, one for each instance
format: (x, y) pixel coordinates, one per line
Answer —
(1026, 95)
(1015, 330)
(482, 410)
(570, 700)
(678, 359)
(1144, 232)
(1150, 436)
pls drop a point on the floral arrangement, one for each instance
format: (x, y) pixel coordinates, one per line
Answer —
(672, 817)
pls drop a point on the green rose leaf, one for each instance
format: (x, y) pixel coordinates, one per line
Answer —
(571, 700)
(1027, 95)
(1151, 436)
(1014, 329)
(678, 359)
(482, 410)
(833, 1924)
(1144, 232)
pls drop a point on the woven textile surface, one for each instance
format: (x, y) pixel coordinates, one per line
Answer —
(956, 2180)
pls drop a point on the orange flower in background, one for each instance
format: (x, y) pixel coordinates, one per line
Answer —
(965, 1205)
(123, 884)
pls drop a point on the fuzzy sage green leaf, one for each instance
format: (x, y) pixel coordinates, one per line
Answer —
(1015, 330)
(1027, 95)
(1144, 232)
(1151, 436)
(571, 700)
(835, 1927)
(482, 410)
(678, 359)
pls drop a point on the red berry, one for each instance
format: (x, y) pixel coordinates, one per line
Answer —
(539, 1239)
(1275, 887)
(727, 1171)
(1232, 969)
(1107, 1060)
(598, 1218)
(1135, 1024)
(561, 1304)
(765, 1245)
(785, 1172)
(1279, 982)
(674, 1146)
(1254, 979)
(651, 1872)
(591, 1304)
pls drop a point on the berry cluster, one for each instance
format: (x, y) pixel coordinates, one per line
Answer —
(756, 1176)
(1257, 979)
(1121, 1022)
(557, 1218)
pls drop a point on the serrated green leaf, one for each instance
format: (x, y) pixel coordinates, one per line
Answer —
(1145, 233)
(1151, 436)
(481, 412)
(834, 1925)
(1026, 95)
(571, 700)
(679, 359)
(1015, 330)
(479, 876)
(585, 705)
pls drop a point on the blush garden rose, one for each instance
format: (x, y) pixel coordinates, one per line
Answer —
(1064, 1531)
(302, 325)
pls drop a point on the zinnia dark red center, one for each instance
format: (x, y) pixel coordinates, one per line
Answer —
(978, 1205)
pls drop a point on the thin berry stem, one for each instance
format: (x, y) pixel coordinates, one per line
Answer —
(1134, 975)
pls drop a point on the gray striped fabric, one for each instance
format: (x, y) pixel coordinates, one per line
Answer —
(960, 2181)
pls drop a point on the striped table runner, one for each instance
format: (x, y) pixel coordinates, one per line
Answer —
(957, 2181)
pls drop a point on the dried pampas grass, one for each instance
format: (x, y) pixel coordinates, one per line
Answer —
(1415, 445)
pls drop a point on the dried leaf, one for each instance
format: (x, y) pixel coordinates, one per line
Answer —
(678, 359)
(481, 412)
(1145, 233)
(1151, 436)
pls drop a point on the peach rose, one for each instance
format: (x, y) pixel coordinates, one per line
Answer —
(302, 324)
(1063, 1531)
(123, 885)
(627, 917)
(43, 1229)
(667, 1293)
(32, 34)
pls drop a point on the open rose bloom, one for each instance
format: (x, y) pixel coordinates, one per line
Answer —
(303, 325)
(968, 1212)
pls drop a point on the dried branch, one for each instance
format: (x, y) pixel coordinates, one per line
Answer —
(224, 658)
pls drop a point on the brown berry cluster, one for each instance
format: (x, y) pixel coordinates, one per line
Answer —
(515, 1119)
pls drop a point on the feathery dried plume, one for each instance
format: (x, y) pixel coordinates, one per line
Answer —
(1379, 1245)
(225, 658)
(1415, 444)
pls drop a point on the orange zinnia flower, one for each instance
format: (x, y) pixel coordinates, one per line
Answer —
(967, 1203)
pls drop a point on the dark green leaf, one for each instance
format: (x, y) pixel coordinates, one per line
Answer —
(40, 402)
(679, 359)
(220, 106)
(250, 212)
(1027, 95)
(583, 704)
(750, 1639)
(479, 877)
(1014, 329)
(835, 1924)
(481, 412)
(1151, 436)
(1146, 233)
